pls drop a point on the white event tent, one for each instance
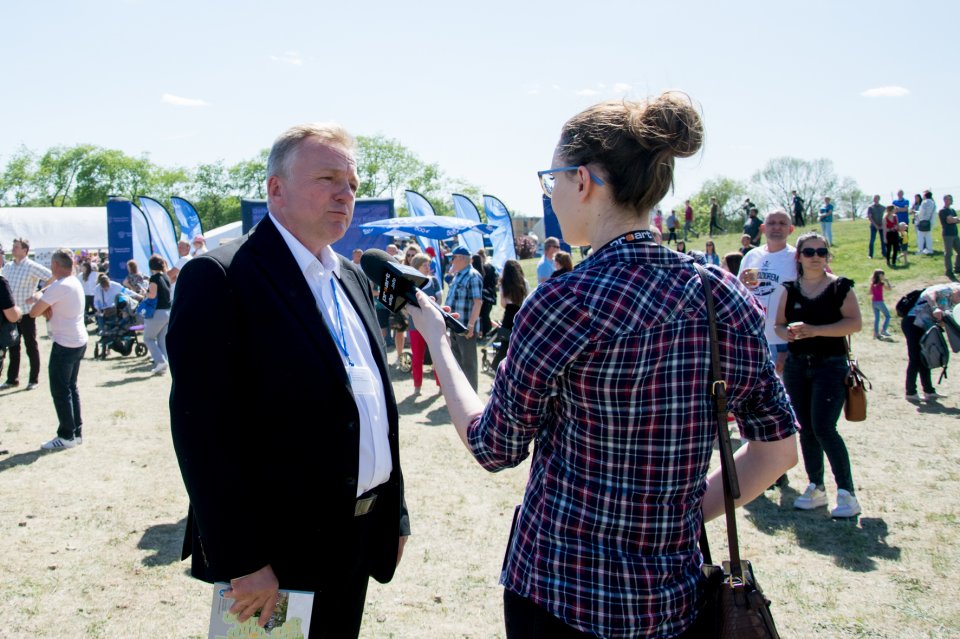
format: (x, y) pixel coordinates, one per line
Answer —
(53, 227)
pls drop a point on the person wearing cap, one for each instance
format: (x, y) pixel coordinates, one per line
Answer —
(465, 297)
(546, 266)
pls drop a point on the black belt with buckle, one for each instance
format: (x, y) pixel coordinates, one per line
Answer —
(365, 503)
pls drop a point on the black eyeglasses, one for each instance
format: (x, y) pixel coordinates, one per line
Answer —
(819, 252)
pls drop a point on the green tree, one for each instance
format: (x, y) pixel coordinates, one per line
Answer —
(18, 180)
(57, 175)
(385, 166)
(729, 194)
(811, 179)
(851, 198)
(248, 178)
(106, 172)
(213, 196)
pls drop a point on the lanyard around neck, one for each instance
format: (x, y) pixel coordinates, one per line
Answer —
(341, 339)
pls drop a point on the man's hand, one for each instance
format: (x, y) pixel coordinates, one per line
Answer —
(469, 333)
(400, 545)
(256, 591)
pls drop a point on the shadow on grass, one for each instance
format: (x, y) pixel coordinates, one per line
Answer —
(166, 542)
(21, 459)
(853, 547)
(939, 409)
(131, 378)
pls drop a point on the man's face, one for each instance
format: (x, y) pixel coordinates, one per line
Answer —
(357, 255)
(948, 200)
(459, 263)
(777, 228)
(899, 195)
(315, 200)
(876, 199)
(18, 251)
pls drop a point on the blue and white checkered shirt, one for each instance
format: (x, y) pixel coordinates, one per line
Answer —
(23, 279)
(467, 286)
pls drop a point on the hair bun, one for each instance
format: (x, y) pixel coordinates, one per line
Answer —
(669, 122)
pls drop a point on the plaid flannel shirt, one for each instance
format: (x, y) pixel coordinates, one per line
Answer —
(467, 286)
(23, 279)
(608, 372)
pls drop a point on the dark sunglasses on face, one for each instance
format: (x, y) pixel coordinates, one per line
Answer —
(819, 252)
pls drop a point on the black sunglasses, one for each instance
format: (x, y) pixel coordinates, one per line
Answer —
(810, 252)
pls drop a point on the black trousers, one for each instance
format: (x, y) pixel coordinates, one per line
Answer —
(915, 365)
(526, 620)
(485, 324)
(338, 610)
(28, 338)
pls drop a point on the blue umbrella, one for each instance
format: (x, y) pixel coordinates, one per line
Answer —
(435, 227)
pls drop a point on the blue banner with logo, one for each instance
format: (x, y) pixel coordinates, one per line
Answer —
(418, 205)
(162, 233)
(467, 210)
(251, 212)
(188, 218)
(551, 225)
(504, 247)
(365, 210)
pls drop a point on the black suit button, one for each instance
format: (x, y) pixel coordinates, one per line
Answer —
(351, 426)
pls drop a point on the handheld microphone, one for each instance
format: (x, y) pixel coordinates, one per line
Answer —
(399, 284)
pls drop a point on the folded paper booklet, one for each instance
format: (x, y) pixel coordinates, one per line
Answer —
(290, 619)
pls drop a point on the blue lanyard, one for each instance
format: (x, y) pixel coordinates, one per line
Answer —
(340, 340)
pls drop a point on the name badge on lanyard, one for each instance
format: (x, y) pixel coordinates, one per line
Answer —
(361, 377)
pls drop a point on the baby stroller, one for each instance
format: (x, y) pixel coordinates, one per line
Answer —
(118, 327)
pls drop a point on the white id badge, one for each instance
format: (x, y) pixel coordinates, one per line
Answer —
(361, 380)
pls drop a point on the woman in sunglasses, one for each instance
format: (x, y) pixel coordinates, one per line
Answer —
(817, 314)
(607, 380)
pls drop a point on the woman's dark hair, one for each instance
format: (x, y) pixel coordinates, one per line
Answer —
(708, 245)
(156, 263)
(732, 261)
(512, 283)
(564, 261)
(477, 262)
(86, 269)
(877, 276)
(677, 249)
(635, 144)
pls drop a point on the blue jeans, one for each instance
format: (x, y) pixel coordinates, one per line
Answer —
(883, 242)
(879, 308)
(827, 231)
(817, 392)
(64, 368)
(155, 335)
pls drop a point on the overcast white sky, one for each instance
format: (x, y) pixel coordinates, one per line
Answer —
(482, 88)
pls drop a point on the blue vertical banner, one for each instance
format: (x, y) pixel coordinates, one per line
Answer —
(551, 225)
(365, 210)
(419, 205)
(119, 237)
(467, 210)
(251, 212)
(504, 247)
(188, 218)
(142, 241)
(162, 232)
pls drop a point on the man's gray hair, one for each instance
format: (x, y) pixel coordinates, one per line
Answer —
(63, 258)
(285, 145)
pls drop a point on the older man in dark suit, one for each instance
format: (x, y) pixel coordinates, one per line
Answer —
(283, 417)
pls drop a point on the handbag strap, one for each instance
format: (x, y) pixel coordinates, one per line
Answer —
(728, 470)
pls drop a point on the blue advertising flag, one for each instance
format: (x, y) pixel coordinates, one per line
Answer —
(551, 225)
(467, 210)
(188, 218)
(141, 240)
(434, 227)
(504, 247)
(365, 210)
(162, 234)
(419, 206)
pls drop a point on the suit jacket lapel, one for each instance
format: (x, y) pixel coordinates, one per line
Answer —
(279, 266)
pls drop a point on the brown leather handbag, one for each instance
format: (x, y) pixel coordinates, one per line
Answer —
(733, 599)
(855, 406)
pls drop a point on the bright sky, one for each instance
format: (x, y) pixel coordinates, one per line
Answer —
(482, 88)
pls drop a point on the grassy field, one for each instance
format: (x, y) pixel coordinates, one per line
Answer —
(91, 536)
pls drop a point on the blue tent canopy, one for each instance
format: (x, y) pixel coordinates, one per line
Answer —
(435, 227)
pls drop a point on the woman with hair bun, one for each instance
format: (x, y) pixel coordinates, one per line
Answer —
(607, 380)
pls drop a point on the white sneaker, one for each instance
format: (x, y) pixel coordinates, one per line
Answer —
(811, 498)
(932, 397)
(58, 443)
(159, 369)
(914, 398)
(847, 505)
(32, 386)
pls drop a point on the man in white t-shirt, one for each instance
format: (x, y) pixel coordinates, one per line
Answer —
(773, 264)
(62, 303)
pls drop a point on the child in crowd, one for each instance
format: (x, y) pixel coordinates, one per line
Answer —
(745, 245)
(903, 231)
(891, 227)
(877, 284)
